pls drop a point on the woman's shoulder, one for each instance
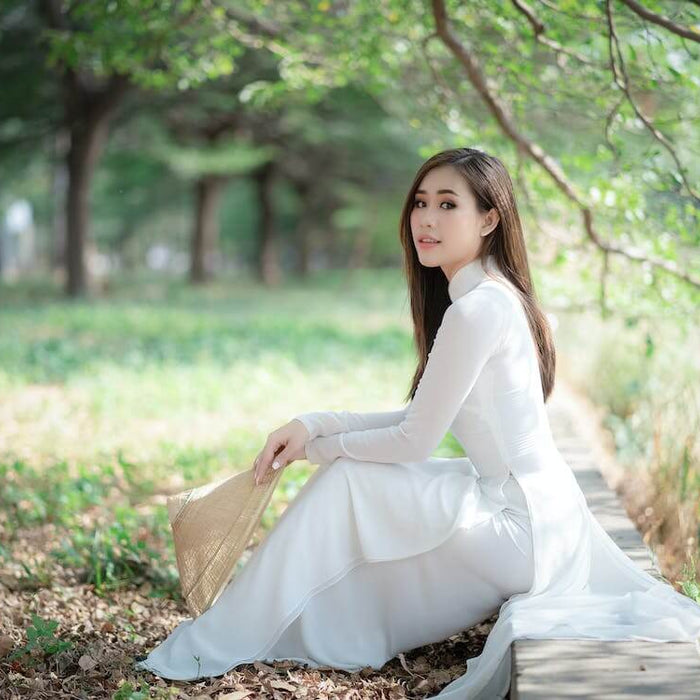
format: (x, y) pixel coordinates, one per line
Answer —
(488, 306)
(490, 294)
(502, 289)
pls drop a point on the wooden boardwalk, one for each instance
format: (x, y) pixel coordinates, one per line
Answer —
(549, 669)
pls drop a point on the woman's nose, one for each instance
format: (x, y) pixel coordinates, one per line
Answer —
(427, 218)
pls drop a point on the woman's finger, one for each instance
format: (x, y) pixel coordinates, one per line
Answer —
(272, 445)
(267, 453)
(281, 459)
(265, 459)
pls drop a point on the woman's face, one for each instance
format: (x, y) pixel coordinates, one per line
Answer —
(444, 209)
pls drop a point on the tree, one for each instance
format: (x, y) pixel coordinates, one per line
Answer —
(215, 136)
(100, 52)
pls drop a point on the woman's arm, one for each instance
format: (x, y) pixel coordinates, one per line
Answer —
(472, 330)
(324, 423)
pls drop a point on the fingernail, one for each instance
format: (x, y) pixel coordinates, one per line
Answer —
(275, 465)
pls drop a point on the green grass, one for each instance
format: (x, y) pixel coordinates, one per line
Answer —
(242, 357)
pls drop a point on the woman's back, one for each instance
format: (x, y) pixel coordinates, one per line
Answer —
(504, 415)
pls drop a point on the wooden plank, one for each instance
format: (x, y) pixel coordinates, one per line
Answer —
(565, 668)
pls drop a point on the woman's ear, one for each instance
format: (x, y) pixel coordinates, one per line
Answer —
(490, 222)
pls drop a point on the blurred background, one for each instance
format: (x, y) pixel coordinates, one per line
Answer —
(199, 208)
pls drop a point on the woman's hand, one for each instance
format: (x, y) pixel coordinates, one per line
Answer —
(283, 446)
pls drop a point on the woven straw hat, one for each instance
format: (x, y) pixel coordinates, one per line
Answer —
(211, 525)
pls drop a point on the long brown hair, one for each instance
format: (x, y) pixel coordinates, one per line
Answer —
(492, 187)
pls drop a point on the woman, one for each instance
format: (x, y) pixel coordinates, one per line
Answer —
(386, 548)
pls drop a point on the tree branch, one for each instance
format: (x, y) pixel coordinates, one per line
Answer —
(539, 28)
(574, 15)
(622, 81)
(608, 129)
(662, 21)
(534, 151)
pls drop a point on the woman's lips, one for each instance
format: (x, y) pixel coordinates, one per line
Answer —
(425, 244)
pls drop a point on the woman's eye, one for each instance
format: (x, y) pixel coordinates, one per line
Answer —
(417, 202)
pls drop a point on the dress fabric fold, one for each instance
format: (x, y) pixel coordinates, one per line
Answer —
(386, 548)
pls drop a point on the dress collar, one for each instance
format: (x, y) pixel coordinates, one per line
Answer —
(469, 275)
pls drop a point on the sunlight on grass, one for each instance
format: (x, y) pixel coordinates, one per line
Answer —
(85, 380)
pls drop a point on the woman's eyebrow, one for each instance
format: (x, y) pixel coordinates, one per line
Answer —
(439, 192)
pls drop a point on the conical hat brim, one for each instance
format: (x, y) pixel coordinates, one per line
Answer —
(212, 525)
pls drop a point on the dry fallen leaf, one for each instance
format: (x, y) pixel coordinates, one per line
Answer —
(87, 663)
(402, 661)
(6, 644)
(282, 685)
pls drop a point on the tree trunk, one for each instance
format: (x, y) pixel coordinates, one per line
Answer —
(83, 151)
(88, 110)
(205, 238)
(269, 269)
(89, 113)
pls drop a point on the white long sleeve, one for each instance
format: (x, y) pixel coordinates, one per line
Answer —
(324, 423)
(472, 330)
